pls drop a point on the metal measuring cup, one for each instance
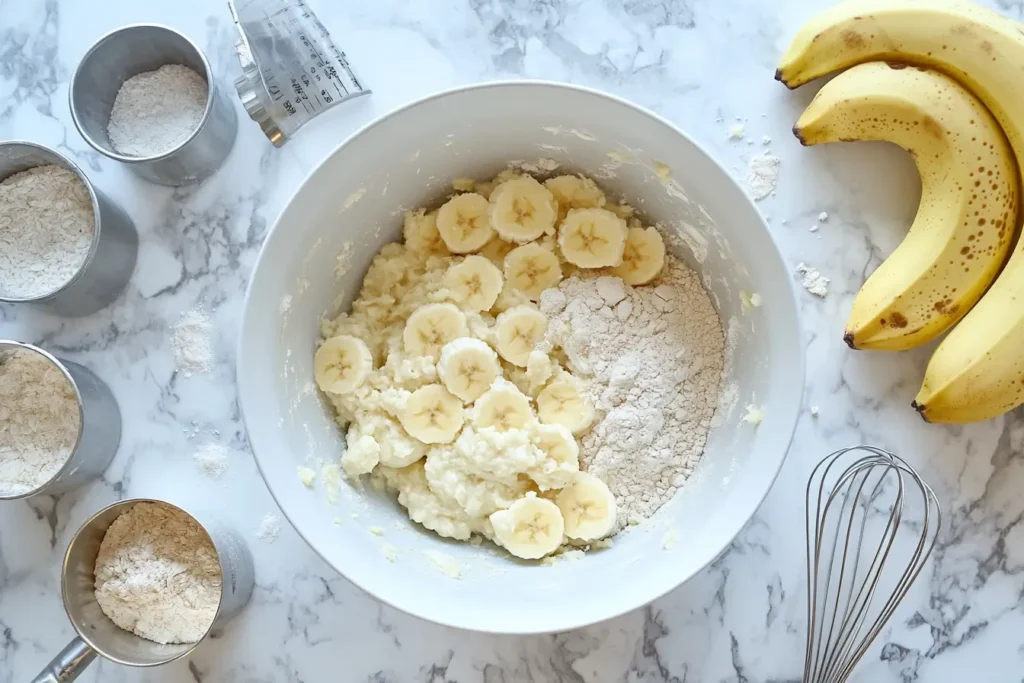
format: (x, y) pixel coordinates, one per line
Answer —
(98, 635)
(115, 244)
(99, 424)
(135, 49)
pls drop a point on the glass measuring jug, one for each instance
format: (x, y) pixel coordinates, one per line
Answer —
(291, 69)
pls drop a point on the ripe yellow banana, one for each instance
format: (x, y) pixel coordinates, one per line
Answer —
(964, 225)
(978, 370)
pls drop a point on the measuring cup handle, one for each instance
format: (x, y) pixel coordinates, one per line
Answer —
(67, 665)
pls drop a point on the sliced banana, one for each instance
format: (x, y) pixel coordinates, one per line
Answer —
(588, 508)
(468, 367)
(531, 269)
(463, 223)
(342, 364)
(643, 256)
(421, 234)
(474, 283)
(518, 330)
(432, 415)
(431, 326)
(562, 456)
(496, 250)
(502, 407)
(561, 402)
(623, 210)
(575, 192)
(592, 238)
(530, 528)
(522, 210)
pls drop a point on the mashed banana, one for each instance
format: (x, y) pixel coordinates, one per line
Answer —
(447, 380)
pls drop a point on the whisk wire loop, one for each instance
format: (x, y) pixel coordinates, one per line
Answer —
(855, 521)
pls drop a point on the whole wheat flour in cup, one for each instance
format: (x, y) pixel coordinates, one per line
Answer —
(39, 420)
(156, 111)
(653, 358)
(46, 231)
(158, 576)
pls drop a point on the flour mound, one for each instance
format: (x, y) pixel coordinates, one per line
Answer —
(653, 358)
(158, 576)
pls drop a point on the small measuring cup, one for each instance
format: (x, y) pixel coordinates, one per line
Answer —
(115, 244)
(98, 635)
(99, 425)
(135, 49)
(291, 69)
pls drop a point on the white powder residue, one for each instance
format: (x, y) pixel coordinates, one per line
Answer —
(763, 175)
(389, 552)
(538, 167)
(39, 420)
(192, 344)
(814, 228)
(211, 458)
(766, 140)
(286, 305)
(331, 474)
(814, 411)
(156, 111)
(158, 575)
(447, 564)
(270, 527)
(823, 216)
(737, 131)
(670, 539)
(343, 260)
(46, 230)
(813, 281)
(754, 416)
(652, 359)
(354, 197)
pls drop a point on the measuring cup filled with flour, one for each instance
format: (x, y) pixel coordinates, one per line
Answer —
(64, 245)
(144, 582)
(291, 69)
(145, 95)
(59, 423)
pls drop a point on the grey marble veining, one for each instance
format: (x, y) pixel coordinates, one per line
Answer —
(701, 63)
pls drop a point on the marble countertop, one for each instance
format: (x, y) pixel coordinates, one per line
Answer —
(700, 63)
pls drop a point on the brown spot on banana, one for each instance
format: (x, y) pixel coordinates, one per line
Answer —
(932, 127)
(898, 320)
(853, 39)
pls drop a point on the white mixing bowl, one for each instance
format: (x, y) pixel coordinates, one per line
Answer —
(352, 204)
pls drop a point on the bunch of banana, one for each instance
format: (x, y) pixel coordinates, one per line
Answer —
(942, 54)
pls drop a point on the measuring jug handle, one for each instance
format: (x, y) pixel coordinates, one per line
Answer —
(69, 664)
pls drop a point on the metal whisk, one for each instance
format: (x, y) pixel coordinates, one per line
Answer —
(862, 553)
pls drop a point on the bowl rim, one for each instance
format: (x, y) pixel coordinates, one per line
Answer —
(754, 502)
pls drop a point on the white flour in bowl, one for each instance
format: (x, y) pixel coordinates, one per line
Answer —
(653, 358)
(156, 111)
(39, 420)
(46, 230)
(158, 576)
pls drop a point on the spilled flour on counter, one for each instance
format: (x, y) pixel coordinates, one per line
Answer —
(813, 281)
(191, 342)
(270, 527)
(763, 175)
(211, 459)
(652, 359)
